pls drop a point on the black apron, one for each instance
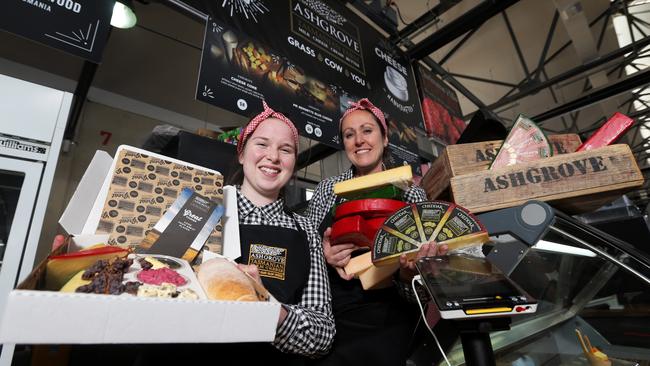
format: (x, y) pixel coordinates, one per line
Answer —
(373, 327)
(282, 257)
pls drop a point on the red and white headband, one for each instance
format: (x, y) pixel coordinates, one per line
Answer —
(366, 105)
(266, 114)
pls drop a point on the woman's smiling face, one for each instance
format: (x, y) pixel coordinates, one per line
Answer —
(269, 158)
(363, 141)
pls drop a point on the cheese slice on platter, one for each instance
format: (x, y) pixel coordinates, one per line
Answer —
(401, 177)
(406, 230)
(525, 142)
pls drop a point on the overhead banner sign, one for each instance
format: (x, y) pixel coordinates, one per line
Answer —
(309, 59)
(442, 114)
(79, 27)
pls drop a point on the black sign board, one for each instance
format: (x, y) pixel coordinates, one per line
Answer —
(442, 113)
(79, 27)
(308, 59)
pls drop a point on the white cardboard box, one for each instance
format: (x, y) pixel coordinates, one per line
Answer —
(42, 317)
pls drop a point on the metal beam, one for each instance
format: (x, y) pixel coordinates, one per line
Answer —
(515, 43)
(636, 80)
(556, 53)
(458, 45)
(80, 94)
(455, 83)
(547, 45)
(423, 21)
(601, 37)
(381, 21)
(461, 25)
(573, 72)
(483, 80)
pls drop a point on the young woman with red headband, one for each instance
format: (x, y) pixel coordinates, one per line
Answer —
(267, 151)
(373, 327)
(297, 278)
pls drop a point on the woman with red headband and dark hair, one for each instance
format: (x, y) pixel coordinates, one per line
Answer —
(374, 327)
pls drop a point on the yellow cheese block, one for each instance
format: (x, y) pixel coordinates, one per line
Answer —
(401, 177)
(359, 264)
(75, 282)
(378, 277)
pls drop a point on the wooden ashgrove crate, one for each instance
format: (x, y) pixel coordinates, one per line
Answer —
(574, 183)
(469, 158)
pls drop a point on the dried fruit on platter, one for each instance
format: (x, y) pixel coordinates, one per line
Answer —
(443, 222)
(525, 142)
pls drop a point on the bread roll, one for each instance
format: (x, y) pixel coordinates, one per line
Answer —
(222, 280)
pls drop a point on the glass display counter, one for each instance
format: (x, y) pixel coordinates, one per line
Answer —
(583, 279)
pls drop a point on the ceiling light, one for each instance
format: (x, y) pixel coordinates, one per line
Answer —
(123, 14)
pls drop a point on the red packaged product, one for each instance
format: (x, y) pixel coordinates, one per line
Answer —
(368, 208)
(356, 230)
(433, 118)
(611, 131)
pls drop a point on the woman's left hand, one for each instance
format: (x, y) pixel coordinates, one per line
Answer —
(253, 272)
(407, 266)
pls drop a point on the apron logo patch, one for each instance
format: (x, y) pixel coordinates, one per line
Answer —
(271, 261)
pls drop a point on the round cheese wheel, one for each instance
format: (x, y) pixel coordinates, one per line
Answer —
(368, 208)
(356, 230)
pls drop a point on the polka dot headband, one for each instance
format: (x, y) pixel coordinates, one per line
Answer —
(266, 114)
(365, 104)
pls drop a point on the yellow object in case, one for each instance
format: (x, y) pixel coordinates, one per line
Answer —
(61, 268)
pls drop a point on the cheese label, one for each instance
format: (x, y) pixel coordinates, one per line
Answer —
(423, 222)
(459, 223)
(432, 214)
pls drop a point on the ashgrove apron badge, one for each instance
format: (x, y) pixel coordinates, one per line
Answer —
(271, 261)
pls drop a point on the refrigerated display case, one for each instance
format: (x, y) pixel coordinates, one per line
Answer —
(31, 134)
(583, 279)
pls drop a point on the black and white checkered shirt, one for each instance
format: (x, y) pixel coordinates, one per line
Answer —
(309, 327)
(323, 200)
